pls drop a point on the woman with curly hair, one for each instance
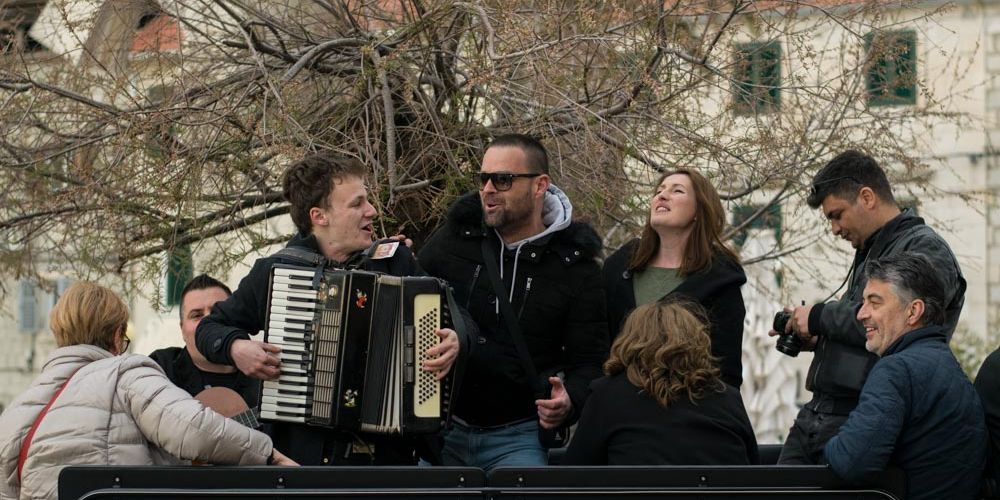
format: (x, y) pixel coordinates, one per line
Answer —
(662, 401)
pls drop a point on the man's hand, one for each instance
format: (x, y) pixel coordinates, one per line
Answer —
(278, 458)
(402, 237)
(256, 359)
(798, 323)
(440, 357)
(553, 412)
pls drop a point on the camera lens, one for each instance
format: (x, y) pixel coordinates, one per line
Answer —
(789, 345)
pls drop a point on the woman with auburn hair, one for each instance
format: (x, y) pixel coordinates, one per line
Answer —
(680, 254)
(94, 405)
(662, 401)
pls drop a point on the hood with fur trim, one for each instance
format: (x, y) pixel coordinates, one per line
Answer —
(572, 240)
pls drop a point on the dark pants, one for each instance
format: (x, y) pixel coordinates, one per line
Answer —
(322, 446)
(808, 436)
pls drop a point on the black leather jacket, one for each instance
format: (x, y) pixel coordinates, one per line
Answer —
(841, 363)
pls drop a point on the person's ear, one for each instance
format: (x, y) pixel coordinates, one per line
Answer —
(867, 198)
(543, 185)
(318, 217)
(915, 312)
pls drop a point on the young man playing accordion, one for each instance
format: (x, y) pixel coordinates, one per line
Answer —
(330, 208)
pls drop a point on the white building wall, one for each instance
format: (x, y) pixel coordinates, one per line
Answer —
(965, 172)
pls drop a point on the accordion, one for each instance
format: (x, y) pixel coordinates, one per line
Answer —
(352, 343)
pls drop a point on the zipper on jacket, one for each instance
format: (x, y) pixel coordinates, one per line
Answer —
(524, 299)
(472, 287)
(819, 361)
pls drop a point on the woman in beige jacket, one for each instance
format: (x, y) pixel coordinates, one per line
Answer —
(116, 409)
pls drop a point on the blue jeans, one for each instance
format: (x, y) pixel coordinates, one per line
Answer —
(490, 447)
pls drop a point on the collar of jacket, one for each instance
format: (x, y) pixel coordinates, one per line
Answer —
(721, 273)
(931, 333)
(74, 356)
(904, 220)
(309, 242)
(578, 241)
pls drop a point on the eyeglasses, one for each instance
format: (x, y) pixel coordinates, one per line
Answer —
(125, 343)
(502, 181)
(814, 190)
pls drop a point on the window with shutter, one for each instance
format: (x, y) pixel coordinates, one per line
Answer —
(757, 82)
(892, 70)
(180, 270)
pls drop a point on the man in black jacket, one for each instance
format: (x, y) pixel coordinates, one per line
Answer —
(330, 208)
(185, 366)
(547, 267)
(856, 198)
(988, 386)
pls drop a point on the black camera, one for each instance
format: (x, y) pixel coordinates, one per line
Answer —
(788, 344)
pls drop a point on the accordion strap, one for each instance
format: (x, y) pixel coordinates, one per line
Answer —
(302, 255)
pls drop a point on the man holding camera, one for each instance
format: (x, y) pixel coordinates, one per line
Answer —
(856, 198)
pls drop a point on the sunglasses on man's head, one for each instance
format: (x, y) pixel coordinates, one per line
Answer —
(815, 187)
(502, 181)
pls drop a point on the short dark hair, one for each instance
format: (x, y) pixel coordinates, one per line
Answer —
(308, 182)
(534, 151)
(201, 282)
(845, 175)
(912, 277)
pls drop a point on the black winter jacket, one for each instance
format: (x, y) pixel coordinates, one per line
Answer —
(245, 311)
(841, 363)
(559, 301)
(988, 386)
(717, 289)
(623, 425)
(919, 412)
(180, 369)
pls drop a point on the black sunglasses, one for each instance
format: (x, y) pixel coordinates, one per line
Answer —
(502, 181)
(815, 187)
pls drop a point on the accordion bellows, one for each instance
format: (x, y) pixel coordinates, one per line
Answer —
(352, 343)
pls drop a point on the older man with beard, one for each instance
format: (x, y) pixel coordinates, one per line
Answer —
(515, 241)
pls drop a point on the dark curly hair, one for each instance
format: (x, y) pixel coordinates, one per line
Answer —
(665, 350)
(308, 182)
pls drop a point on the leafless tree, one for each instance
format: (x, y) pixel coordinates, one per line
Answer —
(132, 143)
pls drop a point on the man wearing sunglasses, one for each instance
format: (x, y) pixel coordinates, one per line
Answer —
(517, 234)
(855, 196)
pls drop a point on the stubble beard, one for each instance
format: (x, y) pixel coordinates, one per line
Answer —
(513, 213)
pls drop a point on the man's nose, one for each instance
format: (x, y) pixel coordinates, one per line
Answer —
(835, 227)
(862, 313)
(489, 187)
